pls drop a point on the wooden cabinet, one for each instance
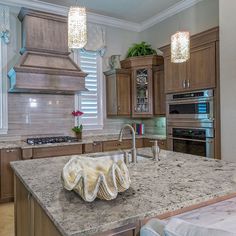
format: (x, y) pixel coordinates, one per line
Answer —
(125, 144)
(162, 143)
(118, 90)
(159, 99)
(6, 178)
(129, 91)
(44, 152)
(199, 72)
(175, 76)
(92, 147)
(201, 67)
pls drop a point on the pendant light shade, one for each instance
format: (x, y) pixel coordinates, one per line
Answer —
(77, 27)
(180, 47)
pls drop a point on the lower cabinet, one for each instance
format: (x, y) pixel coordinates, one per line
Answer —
(149, 143)
(6, 173)
(57, 151)
(92, 147)
(116, 145)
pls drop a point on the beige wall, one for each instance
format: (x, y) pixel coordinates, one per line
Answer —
(228, 78)
(198, 18)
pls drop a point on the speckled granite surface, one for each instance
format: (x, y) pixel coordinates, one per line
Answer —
(86, 139)
(177, 181)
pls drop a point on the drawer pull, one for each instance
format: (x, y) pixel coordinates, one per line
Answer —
(10, 150)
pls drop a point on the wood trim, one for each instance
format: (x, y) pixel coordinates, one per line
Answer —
(152, 60)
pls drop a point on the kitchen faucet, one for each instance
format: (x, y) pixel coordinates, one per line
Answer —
(133, 150)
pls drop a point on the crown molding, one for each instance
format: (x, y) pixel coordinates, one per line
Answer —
(171, 11)
(105, 20)
(62, 10)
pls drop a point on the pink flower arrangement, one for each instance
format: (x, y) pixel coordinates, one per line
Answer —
(77, 113)
(78, 128)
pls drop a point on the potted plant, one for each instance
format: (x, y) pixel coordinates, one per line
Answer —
(141, 54)
(79, 128)
(140, 49)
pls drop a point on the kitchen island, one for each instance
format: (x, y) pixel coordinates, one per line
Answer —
(178, 181)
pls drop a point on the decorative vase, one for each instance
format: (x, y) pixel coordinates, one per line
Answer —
(115, 62)
(79, 136)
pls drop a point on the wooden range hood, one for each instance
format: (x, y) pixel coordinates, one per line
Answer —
(45, 65)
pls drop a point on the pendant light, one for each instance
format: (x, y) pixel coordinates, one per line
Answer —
(180, 47)
(77, 27)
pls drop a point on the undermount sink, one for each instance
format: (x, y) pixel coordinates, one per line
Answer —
(120, 156)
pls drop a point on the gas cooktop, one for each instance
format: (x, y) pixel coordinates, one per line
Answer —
(46, 140)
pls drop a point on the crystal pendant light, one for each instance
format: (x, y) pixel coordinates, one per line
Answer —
(180, 47)
(77, 27)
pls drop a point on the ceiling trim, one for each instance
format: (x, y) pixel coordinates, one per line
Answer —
(105, 20)
(171, 11)
(62, 10)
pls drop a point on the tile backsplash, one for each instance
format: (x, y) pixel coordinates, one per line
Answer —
(46, 114)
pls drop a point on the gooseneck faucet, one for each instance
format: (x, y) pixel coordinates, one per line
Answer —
(133, 150)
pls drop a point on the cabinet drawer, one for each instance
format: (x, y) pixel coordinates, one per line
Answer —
(116, 145)
(162, 144)
(57, 151)
(7, 181)
(92, 147)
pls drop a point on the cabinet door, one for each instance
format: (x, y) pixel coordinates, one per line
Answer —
(201, 67)
(159, 100)
(7, 180)
(142, 92)
(123, 95)
(111, 95)
(175, 76)
(92, 147)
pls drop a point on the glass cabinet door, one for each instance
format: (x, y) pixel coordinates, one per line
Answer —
(142, 92)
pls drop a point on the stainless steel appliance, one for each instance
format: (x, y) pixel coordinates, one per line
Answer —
(191, 105)
(190, 123)
(46, 140)
(192, 138)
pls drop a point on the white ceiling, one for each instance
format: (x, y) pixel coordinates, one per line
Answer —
(131, 10)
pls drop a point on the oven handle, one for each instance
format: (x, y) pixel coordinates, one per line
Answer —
(194, 101)
(209, 140)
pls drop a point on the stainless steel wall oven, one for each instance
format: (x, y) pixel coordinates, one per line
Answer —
(190, 123)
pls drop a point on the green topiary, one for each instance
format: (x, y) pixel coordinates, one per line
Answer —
(141, 49)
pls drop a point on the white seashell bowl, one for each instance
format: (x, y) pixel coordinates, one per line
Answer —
(92, 178)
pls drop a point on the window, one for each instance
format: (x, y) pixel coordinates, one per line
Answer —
(90, 102)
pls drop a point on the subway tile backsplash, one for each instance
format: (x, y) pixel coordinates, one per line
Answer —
(31, 115)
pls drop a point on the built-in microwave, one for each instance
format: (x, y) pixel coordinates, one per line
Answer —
(191, 105)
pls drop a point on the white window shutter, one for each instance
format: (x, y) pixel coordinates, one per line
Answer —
(90, 102)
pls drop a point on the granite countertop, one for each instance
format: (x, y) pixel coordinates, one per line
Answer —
(86, 139)
(177, 181)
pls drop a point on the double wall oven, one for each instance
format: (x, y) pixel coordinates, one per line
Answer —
(190, 122)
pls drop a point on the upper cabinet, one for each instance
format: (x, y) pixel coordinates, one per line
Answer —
(142, 97)
(199, 72)
(118, 90)
(130, 91)
(201, 67)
